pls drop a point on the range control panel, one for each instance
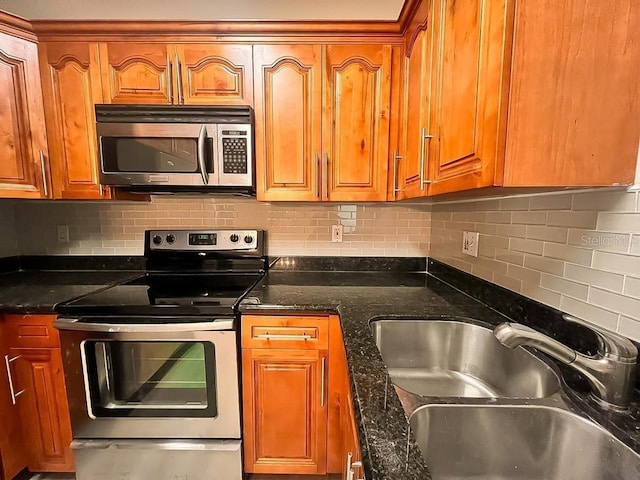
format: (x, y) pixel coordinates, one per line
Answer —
(203, 240)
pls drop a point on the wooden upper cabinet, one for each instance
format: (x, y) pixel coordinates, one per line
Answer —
(23, 143)
(357, 94)
(574, 111)
(212, 74)
(71, 85)
(288, 107)
(468, 93)
(137, 73)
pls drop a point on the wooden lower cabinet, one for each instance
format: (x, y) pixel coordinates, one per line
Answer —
(40, 415)
(297, 407)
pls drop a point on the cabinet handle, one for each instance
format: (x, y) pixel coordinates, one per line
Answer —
(317, 175)
(326, 173)
(169, 79)
(179, 77)
(322, 381)
(396, 160)
(423, 140)
(7, 362)
(269, 336)
(44, 174)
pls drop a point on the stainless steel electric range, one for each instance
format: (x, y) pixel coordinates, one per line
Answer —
(151, 365)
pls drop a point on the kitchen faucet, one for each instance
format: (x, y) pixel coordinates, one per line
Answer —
(611, 372)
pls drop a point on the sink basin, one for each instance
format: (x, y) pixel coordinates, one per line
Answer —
(449, 358)
(518, 442)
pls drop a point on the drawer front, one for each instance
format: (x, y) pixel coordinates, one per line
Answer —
(285, 332)
(31, 331)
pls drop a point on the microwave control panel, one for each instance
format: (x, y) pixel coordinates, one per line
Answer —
(235, 152)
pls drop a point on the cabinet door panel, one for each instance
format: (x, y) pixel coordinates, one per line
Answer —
(71, 82)
(285, 414)
(356, 124)
(44, 412)
(288, 107)
(136, 73)
(472, 74)
(216, 74)
(22, 134)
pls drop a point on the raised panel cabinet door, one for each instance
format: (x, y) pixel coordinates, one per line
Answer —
(574, 109)
(472, 68)
(137, 73)
(416, 107)
(44, 413)
(23, 151)
(285, 411)
(211, 74)
(355, 129)
(71, 84)
(13, 449)
(288, 108)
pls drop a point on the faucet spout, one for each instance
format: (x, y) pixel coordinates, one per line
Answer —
(611, 372)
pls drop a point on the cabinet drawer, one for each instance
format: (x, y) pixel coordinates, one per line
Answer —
(285, 332)
(31, 331)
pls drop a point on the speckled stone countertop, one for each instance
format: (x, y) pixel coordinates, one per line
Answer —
(359, 297)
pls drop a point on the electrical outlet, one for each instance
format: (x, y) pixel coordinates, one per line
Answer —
(336, 233)
(63, 233)
(470, 242)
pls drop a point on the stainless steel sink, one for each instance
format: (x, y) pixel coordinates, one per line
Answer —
(449, 358)
(518, 443)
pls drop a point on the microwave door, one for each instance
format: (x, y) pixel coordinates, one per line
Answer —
(150, 154)
(208, 148)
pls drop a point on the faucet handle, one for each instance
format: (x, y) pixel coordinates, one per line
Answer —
(611, 345)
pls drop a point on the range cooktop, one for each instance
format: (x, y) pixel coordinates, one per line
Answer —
(188, 274)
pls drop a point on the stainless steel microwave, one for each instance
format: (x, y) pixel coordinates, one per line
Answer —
(157, 148)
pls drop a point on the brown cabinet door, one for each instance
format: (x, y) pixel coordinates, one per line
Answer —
(285, 412)
(288, 107)
(416, 128)
(470, 93)
(44, 410)
(211, 74)
(355, 131)
(574, 111)
(71, 84)
(13, 449)
(23, 151)
(137, 73)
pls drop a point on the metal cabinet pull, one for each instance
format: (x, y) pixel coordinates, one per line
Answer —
(169, 79)
(350, 472)
(326, 172)
(322, 381)
(202, 154)
(423, 138)
(396, 160)
(44, 174)
(269, 336)
(179, 77)
(317, 175)
(7, 362)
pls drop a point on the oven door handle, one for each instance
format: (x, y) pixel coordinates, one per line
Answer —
(78, 326)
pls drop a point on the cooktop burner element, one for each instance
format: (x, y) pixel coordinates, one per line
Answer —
(192, 273)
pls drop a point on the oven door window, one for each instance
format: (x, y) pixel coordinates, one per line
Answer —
(150, 379)
(149, 155)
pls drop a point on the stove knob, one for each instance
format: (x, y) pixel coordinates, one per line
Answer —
(248, 239)
(157, 240)
(171, 238)
(234, 238)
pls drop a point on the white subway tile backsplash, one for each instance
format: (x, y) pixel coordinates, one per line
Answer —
(551, 202)
(597, 278)
(581, 256)
(526, 246)
(629, 327)
(548, 297)
(597, 315)
(632, 286)
(619, 222)
(548, 234)
(565, 287)
(529, 218)
(603, 241)
(585, 220)
(543, 264)
(614, 302)
(615, 262)
(615, 201)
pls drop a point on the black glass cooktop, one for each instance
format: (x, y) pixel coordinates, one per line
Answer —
(169, 294)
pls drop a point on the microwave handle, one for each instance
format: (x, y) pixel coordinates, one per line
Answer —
(202, 154)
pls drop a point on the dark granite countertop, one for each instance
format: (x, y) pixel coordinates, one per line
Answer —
(39, 291)
(391, 291)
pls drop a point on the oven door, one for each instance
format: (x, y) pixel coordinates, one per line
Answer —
(150, 380)
(171, 154)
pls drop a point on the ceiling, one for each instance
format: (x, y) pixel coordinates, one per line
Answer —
(204, 9)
